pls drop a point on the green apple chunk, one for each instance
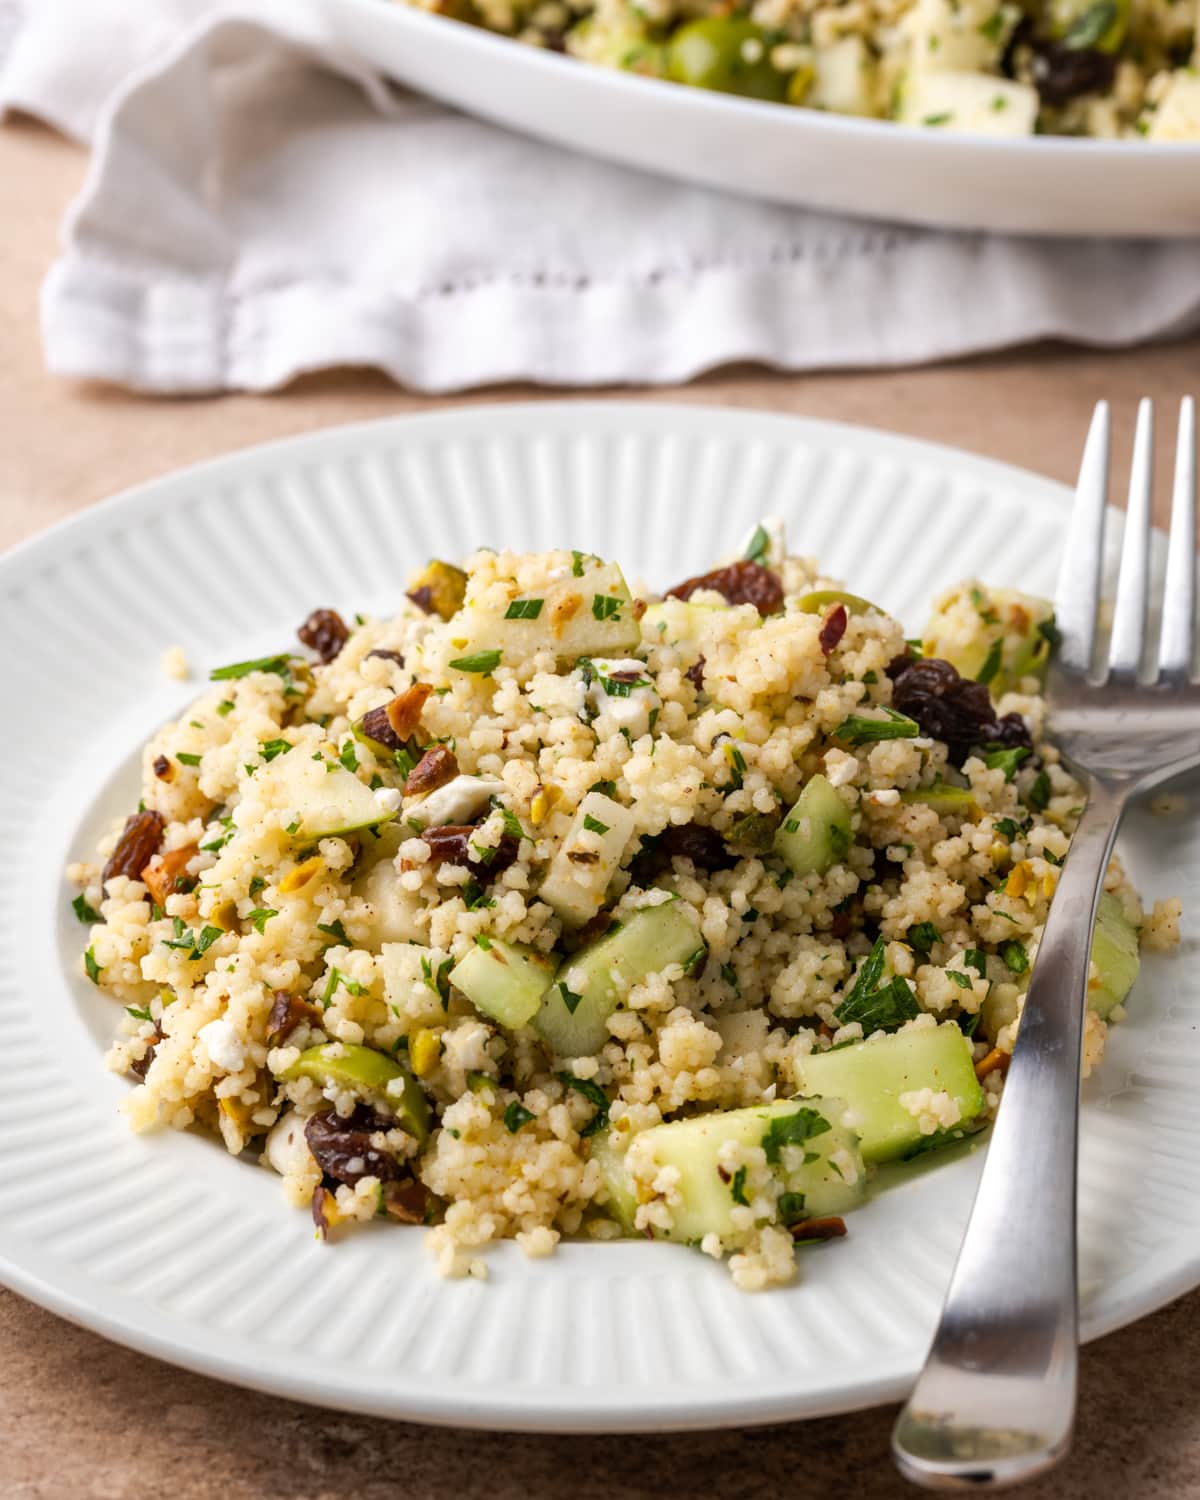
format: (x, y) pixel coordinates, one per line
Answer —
(872, 1075)
(995, 636)
(589, 612)
(1115, 955)
(589, 856)
(504, 980)
(815, 835)
(363, 1070)
(322, 799)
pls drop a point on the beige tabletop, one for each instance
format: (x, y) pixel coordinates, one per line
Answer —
(83, 1418)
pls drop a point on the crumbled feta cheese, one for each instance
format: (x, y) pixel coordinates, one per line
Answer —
(223, 1045)
(459, 801)
(629, 705)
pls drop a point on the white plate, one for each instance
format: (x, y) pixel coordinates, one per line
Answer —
(869, 168)
(167, 1244)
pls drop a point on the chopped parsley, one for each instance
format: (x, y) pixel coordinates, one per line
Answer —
(1014, 955)
(484, 663)
(226, 706)
(737, 764)
(975, 959)
(605, 788)
(257, 883)
(939, 119)
(94, 970)
(280, 665)
(335, 930)
(1008, 761)
(759, 546)
(474, 896)
(88, 915)
(260, 916)
(857, 730)
(594, 825)
(269, 749)
(524, 609)
(439, 983)
(185, 759)
(516, 1116)
(962, 980)
(348, 756)
(876, 1006)
(737, 1188)
(792, 1130)
(922, 936)
(338, 980)
(604, 607)
(1038, 795)
(1007, 828)
(595, 1095)
(1087, 31)
(969, 1025)
(569, 998)
(138, 1012)
(991, 663)
(790, 1208)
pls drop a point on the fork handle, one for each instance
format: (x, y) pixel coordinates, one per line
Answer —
(995, 1403)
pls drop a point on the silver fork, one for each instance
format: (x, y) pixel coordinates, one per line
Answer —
(995, 1403)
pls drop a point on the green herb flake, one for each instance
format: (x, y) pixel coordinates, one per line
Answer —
(281, 666)
(993, 27)
(185, 759)
(1038, 795)
(257, 883)
(975, 959)
(790, 1208)
(569, 998)
(792, 1130)
(604, 607)
(1006, 828)
(260, 916)
(595, 1095)
(991, 663)
(516, 1116)
(1008, 761)
(270, 749)
(858, 730)
(349, 756)
(226, 707)
(605, 788)
(1014, 955)
(969, 1025)
(939, 119)
(962, 980)
(88, 915)
(94, 970)
(335, 930)
(737, 1188)
(138, 1012)
(594, 825)
(883, 1009)
(483, 663)
(759, 546)
(208, 936)
(524, 609)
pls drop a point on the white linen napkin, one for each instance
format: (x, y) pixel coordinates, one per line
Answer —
(259, 205)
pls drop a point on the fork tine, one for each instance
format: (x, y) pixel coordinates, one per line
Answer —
(1179, 594)
(1129, 614)
(1077, 596)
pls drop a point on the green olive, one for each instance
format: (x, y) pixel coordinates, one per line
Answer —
(349, 1066)
(818, 602)
(727, 53)
(1093, 25)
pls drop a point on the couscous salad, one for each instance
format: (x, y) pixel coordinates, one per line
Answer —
(550, 907)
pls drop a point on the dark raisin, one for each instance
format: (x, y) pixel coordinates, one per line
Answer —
(386, 655)
(1010, 732)
(833, 628)
(342, 1148)
(947, 706)
(832, 1228)
(624, 675)
(742, 582)
(322, 1203)
(451, 845)
(695, 674)
(409, 1201)
(1061, 73)
(704, 846)
(435, 768)
(139, 843)
(287, 1012)
(423, 599)
(324, 632)
(164, 769)
(141, 1067)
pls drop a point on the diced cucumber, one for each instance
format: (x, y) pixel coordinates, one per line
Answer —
(946, 800)
(323, 799)
(815, 835)
(872, 1075)
(1115, 954)
(813, 1155)
(573, 1020)
(622, 1200)
(364, 1070)
(820, 600)
(504, 981)
(589, 857)
(586, 613)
